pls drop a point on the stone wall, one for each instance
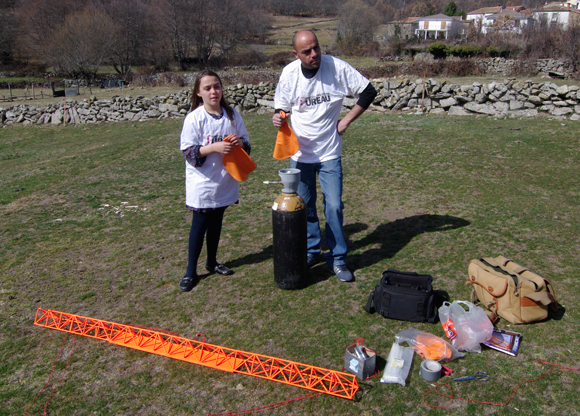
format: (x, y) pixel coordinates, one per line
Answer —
(541, 67)
(509, 98)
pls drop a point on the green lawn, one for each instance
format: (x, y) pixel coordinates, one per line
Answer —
(94, 223)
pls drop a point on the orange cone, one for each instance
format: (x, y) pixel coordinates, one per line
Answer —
(286, 141)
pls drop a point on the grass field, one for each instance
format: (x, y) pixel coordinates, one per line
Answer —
(94, 223)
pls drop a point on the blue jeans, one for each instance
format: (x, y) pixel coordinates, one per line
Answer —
(330, 177)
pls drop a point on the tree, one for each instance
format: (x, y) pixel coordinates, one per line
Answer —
(450, 9)
(8, 28)
(82, 44)
(356, 24)
(422, 9)
(41, 19)
(134, 33)
(571, 45)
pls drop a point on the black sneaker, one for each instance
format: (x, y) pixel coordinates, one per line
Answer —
(343, 274)
(187, 283)
(219, 269)
(311, 261)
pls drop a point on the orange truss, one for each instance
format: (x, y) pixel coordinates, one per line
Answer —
(296, 374)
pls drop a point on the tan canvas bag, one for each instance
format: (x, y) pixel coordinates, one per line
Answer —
(510, 290)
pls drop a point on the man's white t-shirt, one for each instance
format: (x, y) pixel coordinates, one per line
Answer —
(210, 185)
(315, 105)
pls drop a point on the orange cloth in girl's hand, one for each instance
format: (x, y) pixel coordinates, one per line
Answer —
(238, 163)
(286, 141)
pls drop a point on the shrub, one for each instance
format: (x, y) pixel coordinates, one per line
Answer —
(439, 50)
(281, 59)
(466, 51)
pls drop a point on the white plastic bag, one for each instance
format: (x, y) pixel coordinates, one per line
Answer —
(466, 329)
(398, 364)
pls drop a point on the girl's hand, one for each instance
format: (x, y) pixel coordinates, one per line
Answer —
(224, 147)
(234, 139)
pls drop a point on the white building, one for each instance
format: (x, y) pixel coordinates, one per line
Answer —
(488, 17)
(439, 26)
(557, 13)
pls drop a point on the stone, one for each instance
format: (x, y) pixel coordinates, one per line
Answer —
(480, 108)
(516, 105)
(447, 102)
(561, 111)
(458, 111)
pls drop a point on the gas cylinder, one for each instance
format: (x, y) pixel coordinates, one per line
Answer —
(289, 233)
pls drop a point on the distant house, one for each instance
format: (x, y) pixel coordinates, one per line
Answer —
(439, 26)
(500, 18)
(557, 13)
(399, 29)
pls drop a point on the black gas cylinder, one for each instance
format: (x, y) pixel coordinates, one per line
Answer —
(290, 247)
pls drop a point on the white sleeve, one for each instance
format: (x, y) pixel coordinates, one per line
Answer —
(283, 93)
(190, 134)
(355, 81)
(242, 132)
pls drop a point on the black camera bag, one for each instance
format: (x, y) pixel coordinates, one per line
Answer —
(406, 296)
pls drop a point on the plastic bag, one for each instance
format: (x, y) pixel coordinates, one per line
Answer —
(428, 346)
(398, 364)
(466, 329)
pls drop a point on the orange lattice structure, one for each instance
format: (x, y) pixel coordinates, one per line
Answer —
(296, 374)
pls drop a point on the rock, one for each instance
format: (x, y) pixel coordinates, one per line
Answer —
(458, 111)
(480, 108)
(561, 111)
(448, 102)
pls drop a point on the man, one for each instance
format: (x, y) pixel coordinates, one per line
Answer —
(312, 88)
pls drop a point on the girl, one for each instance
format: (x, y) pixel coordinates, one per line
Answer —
(209, 188)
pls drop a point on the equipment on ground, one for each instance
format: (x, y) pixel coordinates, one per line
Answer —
(318, 379)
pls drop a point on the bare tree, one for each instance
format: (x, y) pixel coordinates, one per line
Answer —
(8, 28)
(356, 25)
(134, 30)
(571, 45)
(40, 19)
(82, 44)
(244, 22)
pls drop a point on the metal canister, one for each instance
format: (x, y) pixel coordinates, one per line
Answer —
(289, 235)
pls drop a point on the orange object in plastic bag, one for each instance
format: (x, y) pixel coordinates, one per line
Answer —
(286, 141)
(432, 348)
(238, 163)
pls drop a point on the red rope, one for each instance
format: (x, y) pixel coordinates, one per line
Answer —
(451, 396)
(63, 373)
(262, 408)
(50, 375)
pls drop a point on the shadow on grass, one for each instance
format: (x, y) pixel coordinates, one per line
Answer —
(392, 237)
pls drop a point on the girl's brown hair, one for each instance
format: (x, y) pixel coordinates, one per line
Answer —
(196, 100)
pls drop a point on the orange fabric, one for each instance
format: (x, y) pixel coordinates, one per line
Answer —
(286, 141)
(239, 164)
(432, 348)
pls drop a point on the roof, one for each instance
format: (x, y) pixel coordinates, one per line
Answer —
(512, 14)
(558, 7)
(497, 9)
(439, 16)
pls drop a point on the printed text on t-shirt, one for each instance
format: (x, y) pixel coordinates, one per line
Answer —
(212, 139)
(317, 99)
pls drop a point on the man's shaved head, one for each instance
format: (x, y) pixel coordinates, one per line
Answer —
(307, 49)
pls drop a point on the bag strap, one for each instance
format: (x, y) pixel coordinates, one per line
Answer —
(432, 312)
(368, 306)
(539, 281)
(490, 307)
